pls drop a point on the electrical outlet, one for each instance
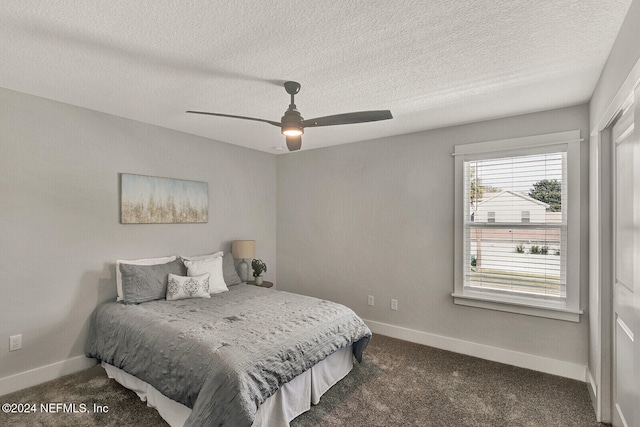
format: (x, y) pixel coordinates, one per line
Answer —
(15, 342)
(370, 300)
(394, 304)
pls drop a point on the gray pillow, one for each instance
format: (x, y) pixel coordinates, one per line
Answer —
(229, 271)
(142, 283)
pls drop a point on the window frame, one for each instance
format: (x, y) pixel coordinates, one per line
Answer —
(569, 307)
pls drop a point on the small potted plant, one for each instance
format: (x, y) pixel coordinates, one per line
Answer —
(259, 267)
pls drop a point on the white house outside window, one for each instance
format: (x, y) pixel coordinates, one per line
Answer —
(517, 225)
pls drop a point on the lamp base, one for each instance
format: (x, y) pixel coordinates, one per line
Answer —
(243, 270)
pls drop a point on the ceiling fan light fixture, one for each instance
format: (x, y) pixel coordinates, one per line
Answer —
(292, 131)
(291, 122)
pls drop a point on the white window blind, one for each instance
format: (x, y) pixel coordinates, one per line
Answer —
(515, 225)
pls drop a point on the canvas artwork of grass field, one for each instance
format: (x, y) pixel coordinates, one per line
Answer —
(154, 200)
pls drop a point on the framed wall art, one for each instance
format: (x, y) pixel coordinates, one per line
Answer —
(153, 200)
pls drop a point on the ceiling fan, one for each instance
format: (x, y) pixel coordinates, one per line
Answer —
(292, 123)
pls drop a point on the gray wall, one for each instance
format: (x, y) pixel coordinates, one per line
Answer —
(376, 218)
(623, 56)
(59, 218)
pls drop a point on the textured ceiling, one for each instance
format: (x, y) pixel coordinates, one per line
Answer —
(432, 63)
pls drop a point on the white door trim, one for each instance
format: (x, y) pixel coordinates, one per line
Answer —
(600, 247)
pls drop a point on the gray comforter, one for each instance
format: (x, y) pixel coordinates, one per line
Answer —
(225, 355)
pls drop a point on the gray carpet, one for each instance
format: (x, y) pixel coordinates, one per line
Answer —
(399, 383)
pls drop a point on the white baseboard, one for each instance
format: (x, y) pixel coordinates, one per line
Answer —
(593, 389)
(593, 393)
(561, 368)
(44, 373)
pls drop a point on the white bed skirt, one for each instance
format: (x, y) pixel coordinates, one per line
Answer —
(291, 400)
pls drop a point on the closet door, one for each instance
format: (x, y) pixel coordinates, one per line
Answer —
(626, 263)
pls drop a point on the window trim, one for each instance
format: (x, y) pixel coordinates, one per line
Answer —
(568, 141)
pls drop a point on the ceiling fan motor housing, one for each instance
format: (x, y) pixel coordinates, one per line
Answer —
(292, 122)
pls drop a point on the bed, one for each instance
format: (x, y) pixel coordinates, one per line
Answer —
(247, 356)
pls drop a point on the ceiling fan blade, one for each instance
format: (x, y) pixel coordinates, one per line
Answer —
(348, 118)
(294, 142)
(271, 122)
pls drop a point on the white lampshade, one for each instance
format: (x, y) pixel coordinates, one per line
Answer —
(241, 249)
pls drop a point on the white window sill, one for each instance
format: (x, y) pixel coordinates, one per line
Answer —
(518, 307)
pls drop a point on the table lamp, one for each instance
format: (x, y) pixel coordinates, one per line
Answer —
(243, 249)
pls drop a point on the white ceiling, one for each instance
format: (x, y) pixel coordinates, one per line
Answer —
(432, 63)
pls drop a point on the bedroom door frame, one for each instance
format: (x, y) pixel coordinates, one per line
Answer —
(601, 274)
(626, 249)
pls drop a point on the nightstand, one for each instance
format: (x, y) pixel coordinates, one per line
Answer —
(265, 284)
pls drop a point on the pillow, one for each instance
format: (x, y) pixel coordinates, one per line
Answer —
(213, 266)
(229, 271)
(142, 283)
(148, 261)
(181, 287)
(199, 257)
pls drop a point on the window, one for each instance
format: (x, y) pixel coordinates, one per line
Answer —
(517, 225)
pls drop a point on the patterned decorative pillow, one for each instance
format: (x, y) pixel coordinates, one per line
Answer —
(181, 287)
(147, 261)
(142, 283)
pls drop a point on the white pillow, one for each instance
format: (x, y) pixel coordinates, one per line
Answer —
(213, 266)
(147, 261)
(179, 287)
(199, 257)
